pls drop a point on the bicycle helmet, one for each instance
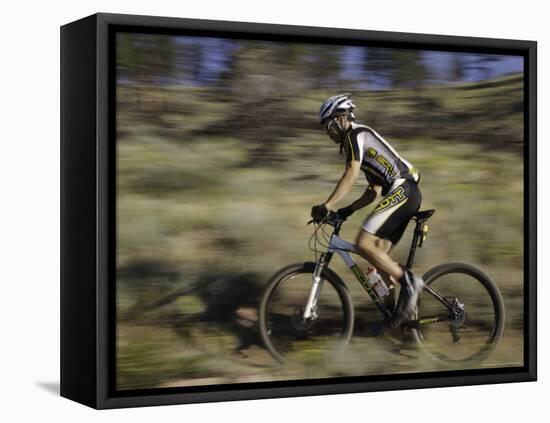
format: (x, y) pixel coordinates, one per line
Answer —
(336, 105)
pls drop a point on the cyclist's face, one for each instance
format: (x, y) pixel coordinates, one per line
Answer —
(336, 128)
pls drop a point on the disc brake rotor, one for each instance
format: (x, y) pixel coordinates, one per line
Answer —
(457, 317)
(298, 320)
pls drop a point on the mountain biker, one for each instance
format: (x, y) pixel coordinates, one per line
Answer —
(388, 175)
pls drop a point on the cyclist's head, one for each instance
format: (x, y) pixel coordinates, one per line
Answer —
(335, 115)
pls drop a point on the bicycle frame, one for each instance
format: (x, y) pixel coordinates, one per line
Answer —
(343, 249)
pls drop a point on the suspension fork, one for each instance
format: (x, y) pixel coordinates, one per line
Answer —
(310, 310)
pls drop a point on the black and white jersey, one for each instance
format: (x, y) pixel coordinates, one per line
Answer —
(379, 161)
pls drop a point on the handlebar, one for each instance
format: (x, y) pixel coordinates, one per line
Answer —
(332, 219)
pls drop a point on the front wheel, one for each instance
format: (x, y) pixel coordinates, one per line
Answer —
(460, 315)
(282, 328)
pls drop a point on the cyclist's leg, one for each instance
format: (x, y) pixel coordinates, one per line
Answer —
(388, 221)
(383, 228)
(375, 250)
(387, 246)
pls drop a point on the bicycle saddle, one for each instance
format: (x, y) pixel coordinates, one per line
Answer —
(424, 214)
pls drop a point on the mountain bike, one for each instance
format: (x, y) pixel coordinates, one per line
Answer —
(459, 316)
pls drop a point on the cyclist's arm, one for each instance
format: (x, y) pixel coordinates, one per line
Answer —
(368, 197)
(353, 168)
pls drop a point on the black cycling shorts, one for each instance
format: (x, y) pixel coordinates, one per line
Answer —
(390, 217)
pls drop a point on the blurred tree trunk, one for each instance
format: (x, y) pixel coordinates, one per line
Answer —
(457, 70)
(396, 67)
(263, 70)
(409, 69)
(324, 67)
(146, 59)
(379, 65)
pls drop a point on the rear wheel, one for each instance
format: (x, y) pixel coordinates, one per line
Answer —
(282, 327)
(463, 319)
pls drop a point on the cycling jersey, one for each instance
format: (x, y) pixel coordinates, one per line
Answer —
(379, 161)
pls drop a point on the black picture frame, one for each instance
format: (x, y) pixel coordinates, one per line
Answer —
(88, 198)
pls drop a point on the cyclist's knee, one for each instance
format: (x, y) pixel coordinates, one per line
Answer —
(366, 243)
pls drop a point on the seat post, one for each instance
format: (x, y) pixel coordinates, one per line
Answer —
(420, 217)
(414, 243)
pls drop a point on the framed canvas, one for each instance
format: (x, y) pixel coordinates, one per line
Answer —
(194, 154)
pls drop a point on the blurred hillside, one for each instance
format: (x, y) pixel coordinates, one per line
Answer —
(455, 113)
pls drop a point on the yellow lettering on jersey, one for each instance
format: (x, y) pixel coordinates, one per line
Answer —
(371, 152)
(384, 162)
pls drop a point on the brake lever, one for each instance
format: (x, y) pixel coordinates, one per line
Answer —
(329, 218)
(334, 219)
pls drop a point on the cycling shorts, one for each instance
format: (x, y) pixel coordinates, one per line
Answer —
(390, 217)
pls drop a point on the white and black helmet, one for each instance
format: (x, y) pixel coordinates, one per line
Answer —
(336, 105)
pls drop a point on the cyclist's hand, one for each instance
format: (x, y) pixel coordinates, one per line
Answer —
(318, 213)
(345, 212)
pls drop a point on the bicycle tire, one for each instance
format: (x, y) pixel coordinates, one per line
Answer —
(495, 305)
(274, 285)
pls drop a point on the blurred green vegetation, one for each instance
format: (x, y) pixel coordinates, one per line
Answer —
(214, 193)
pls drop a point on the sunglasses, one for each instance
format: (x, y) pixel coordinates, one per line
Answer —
(331, 125)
